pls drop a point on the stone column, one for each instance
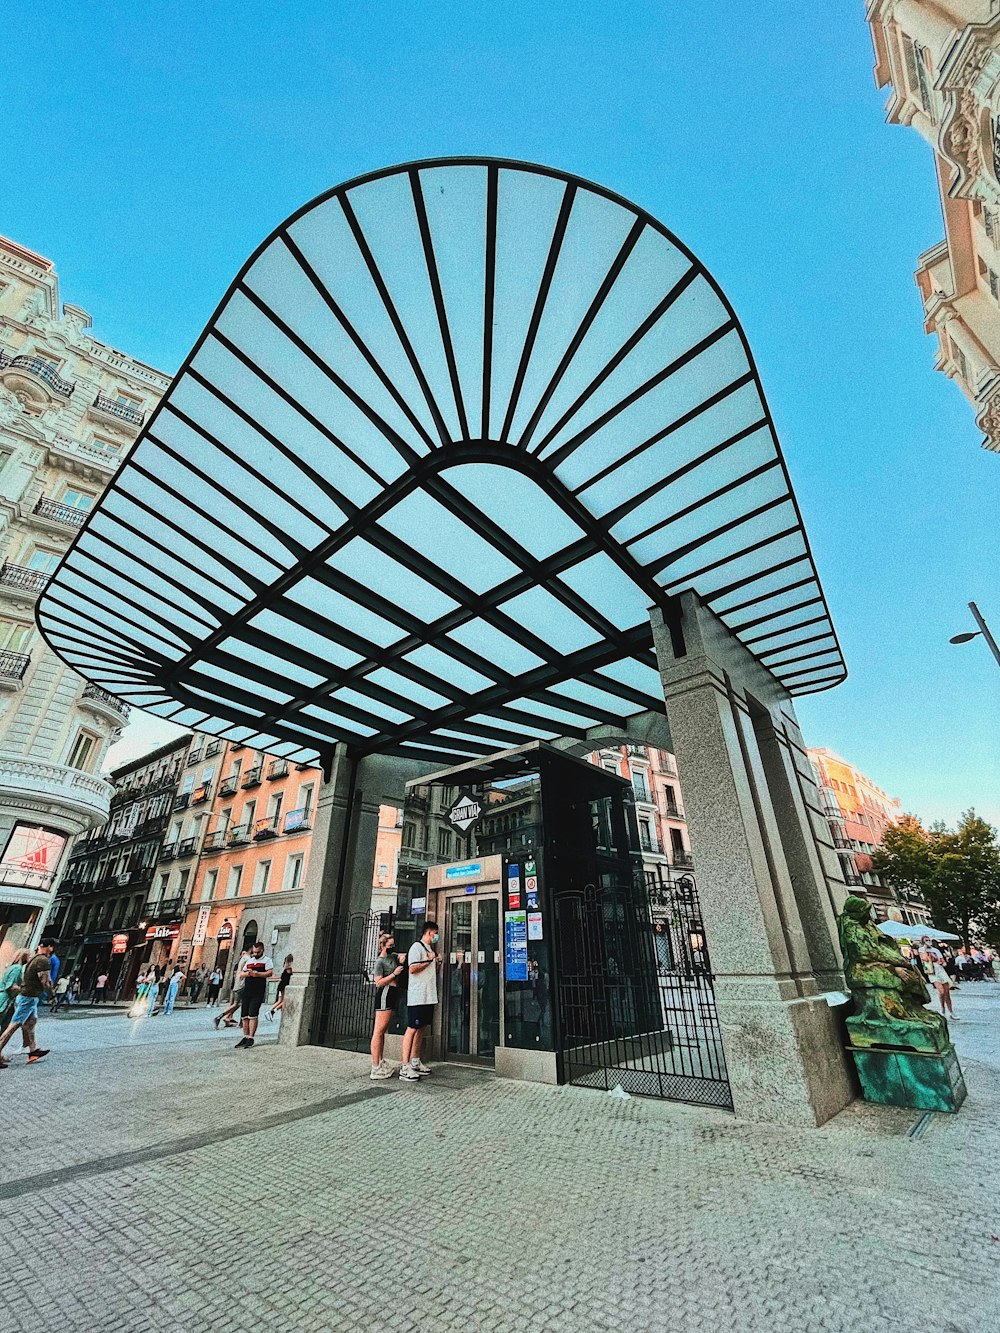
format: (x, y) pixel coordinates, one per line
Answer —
(781, 1040)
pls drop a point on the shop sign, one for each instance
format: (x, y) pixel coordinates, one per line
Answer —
(465, 812)
(296, 819)
(515, 936)
(225, 931)
(119, 943)
(201, 925)
(31, 857)
(464, 872)
(164, 932)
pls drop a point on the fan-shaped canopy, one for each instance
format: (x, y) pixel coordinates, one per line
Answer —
(454, 429)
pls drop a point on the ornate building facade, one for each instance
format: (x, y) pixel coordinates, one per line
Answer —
(70, 406)
(941, 60)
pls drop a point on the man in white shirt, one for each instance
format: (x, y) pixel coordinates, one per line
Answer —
(256, 970)
(421, 997)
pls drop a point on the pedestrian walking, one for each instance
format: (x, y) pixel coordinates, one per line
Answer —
(60, 994)
(387, 975)
(195, 983)
(214, 986)
(421, 997)
(153, 991)
(10, 985)
(236, 996)
(283, 980)
(173, 986)
(942, 983)
(100, 987)
(35, 982)
(257, 970)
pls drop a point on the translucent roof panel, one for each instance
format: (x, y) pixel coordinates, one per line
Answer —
(456, 427)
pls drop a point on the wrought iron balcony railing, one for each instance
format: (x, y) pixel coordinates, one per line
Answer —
(102, 696)
(182, 800)
(278, 768)
(672, 811)
(212, 749)
(168, 851)
(227, 787)
(116, 408)
(57, 512)
(186, 846)
(239, 835)
(13, 665)
(216, 841)
(252, 778)
(36, 365)
(266, 828)
(19, 576)
(193, 757)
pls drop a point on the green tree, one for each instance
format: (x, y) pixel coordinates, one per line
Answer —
(963, 892)
(905, 859)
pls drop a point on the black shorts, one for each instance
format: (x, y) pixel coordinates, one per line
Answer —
(385, 998)
(253, 998)
(419, 1015)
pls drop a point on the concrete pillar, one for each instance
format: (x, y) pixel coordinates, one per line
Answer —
(755, 866)
(338, 879)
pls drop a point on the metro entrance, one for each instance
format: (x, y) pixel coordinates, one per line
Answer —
(470, 984)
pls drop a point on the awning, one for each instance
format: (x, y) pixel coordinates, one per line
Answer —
(455, 428)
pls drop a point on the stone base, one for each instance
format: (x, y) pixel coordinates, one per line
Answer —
(911, 1078)
(785, 1058)
(529, 1066)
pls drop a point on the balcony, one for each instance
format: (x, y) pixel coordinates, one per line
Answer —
(12, 667)
(94, 695)
(32, 581)
(201, 794)
(193, 757)
(638, 750)
(168, 851)
(38, 366)
(252, 778)
(114, 407)
(228, 786)
(269, 827)
(682, 860)
(643, 794)
(215, 842)
(187, 846)
(212, 749)
(56, 512)
(182, 800)
(83, 800)
(239, 836)
(167, 909)
(278, 768)
(672, 811)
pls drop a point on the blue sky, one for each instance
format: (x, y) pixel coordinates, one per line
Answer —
(161, 143)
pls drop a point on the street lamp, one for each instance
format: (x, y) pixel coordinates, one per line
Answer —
(983, 630)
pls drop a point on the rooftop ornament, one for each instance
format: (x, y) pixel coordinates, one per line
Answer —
(455, 428)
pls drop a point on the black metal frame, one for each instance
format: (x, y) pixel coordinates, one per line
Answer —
(148, 603)
(655, 936)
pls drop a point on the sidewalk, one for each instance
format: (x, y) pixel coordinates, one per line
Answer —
(159, 1178)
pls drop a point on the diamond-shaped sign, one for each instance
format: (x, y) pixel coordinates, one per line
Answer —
(465, 812)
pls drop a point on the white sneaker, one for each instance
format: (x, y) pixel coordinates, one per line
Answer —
(409, 1075)
(421, 1068)
(380, 1071)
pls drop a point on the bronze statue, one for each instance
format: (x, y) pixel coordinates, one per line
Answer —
(889, 993)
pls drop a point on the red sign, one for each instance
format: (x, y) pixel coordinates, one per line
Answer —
(163, 932)
(225, 931)
(119, 943)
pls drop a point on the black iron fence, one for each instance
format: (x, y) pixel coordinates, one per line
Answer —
(636, 998)
(347, 1008)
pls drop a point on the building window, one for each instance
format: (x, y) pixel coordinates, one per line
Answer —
(233, 886)
(83, 752)
(305, 798)
(43, 561)
(293, 871)
(75, 499)
(444, 843)
(14, 636)
(183, 881)
(208, 887)
(262, 877)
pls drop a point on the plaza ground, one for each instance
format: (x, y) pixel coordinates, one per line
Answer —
(153, 1177)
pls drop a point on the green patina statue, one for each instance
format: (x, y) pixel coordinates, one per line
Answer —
(889, 993)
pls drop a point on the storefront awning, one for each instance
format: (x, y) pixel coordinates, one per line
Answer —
(454, 429)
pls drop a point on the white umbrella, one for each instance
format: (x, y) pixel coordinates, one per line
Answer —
(899, 930)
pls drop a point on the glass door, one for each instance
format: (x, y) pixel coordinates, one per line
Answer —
(471, 979)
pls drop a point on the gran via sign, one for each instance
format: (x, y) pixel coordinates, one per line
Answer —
(465, 812)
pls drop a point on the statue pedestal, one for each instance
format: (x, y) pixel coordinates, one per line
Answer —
(911, 1078)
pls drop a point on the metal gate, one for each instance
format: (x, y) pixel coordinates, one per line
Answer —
(348, 1008)
(636, 1000)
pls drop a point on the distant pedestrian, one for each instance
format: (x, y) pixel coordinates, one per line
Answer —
(34, 984)
(421, 998)
(60, 994)
(257, 970)
(173, 986)
(195, 983)
(10, 985)
(283, 980)
(387, 975)
(236, 995)
(942, 983)
(100, 987)
(214, 986)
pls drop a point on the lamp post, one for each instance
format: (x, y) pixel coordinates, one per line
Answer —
(983, 629)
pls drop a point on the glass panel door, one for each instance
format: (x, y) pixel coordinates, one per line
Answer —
(487, 977)
(458, 978)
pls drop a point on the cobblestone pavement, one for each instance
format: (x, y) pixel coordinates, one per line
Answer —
(152, 1177)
